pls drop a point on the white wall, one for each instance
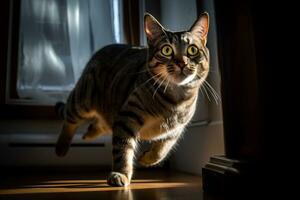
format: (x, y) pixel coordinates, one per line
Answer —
(197, 145)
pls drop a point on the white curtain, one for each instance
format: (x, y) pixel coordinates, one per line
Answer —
(57, 38)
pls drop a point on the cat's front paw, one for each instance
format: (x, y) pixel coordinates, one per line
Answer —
(117, 179)
(149, 159)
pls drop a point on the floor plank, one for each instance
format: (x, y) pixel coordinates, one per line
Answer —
(147, 184)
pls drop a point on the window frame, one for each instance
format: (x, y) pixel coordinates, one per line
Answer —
(9, 105)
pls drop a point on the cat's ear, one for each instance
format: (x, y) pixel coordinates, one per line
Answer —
(152, 27)
(200, 27)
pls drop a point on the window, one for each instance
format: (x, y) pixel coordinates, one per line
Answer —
(56, 40)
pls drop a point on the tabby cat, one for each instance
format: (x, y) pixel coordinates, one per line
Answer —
(139, 94)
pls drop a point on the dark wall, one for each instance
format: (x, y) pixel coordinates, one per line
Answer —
(255, 41)
(4, 20)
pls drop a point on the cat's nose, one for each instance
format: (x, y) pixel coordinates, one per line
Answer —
(181, 64)
(181, 61)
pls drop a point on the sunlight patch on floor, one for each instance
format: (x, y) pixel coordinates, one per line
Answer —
(63, 186)
(97, 181)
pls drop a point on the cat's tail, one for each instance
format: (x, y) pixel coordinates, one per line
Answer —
(60, 109)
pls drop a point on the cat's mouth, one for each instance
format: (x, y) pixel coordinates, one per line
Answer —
(175, 75)
(183, 77)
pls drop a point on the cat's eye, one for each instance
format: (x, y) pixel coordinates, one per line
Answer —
(167, 50)
(192, 50)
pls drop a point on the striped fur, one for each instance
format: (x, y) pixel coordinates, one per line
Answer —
(137, 94)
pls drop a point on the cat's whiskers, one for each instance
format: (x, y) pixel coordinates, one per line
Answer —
(212, 91)
(161, 77)
(152, 77)
(208, 89)
(167, 85)
(202, 92)
(159, 70)
(160, 84)
(158, 78)
(209, 92)
(200, 77)
(204, 88)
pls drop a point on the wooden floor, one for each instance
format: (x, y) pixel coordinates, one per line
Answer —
(147, 184)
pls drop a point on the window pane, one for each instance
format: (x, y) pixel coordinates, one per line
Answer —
(57, 38)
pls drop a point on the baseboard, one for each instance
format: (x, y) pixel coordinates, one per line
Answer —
(38, 150)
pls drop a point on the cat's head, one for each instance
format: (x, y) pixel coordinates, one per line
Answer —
(178, 57)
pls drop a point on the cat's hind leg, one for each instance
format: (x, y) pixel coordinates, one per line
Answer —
(65, 138)
(157, 152)
(92, 132)
(73, 116)
(78, 109)
(96, 128)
